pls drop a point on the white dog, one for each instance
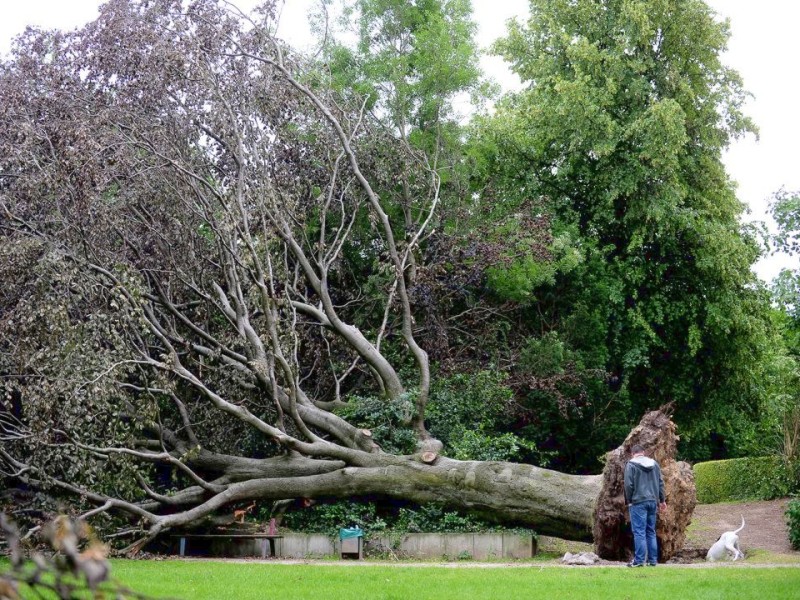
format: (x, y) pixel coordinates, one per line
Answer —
(728, 542)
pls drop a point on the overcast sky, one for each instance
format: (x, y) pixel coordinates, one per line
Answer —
(762, 49)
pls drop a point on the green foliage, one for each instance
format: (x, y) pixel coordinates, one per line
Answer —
(524, 268)
(618, 131)
(424, 52)
(785, 209)
(328, 518)
(476, 402)
(409, 62)
(793, 520)
(384, 518)
(517, 281)
(470, 413)
(565, 387)
(435, 518)
(785, 290)
(469, 444)
(761, 478)
(387, 418)
(545, 356)
(786, 287)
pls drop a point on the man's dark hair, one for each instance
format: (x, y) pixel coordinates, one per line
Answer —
(637, 449)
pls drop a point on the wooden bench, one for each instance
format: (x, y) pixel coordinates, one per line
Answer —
(274, 541)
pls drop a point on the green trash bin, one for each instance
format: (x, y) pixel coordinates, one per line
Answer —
(351, 543)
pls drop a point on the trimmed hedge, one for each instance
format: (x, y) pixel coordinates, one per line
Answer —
(793, 520)
(761, 478)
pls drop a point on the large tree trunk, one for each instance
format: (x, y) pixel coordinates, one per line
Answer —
(550, 502)
(571, 507)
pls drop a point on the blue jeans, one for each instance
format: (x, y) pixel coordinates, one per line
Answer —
(643, 524)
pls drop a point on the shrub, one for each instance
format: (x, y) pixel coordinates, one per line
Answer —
(477, 401)
(382, 518)
(471, 444)
(329, 517)
(387, 419)
(760, 478)
(793, 520)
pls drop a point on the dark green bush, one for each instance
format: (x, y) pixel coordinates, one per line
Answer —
(761, 478)
(329, 517)
(472, 402)
(793, 520)
(384, 517)
(387, 419)
(471, 413)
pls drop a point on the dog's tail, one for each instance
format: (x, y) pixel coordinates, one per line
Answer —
(742, 527)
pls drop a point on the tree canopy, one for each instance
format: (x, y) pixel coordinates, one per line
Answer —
(619, 133)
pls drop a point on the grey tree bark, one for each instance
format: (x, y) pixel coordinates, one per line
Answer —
(574, 507)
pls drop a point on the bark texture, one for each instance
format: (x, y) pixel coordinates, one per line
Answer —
(612, 534)
(550, 502)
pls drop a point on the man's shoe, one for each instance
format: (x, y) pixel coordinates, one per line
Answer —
(651, 564)
(635, 564)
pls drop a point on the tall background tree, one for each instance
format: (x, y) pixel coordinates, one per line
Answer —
(785, 208)
(784, 414)
(618, 136)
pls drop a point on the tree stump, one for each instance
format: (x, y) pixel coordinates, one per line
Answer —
(612, 533)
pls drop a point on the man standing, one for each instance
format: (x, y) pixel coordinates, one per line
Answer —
(644, 495)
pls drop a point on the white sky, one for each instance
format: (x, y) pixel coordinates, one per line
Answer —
(762, 49)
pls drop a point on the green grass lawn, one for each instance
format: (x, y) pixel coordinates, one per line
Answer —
(325, 581)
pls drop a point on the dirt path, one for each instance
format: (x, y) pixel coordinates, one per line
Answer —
(765, 525)
(765, 531)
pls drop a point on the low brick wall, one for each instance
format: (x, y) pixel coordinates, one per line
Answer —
(477, 546)
(307, 545)
(451, 546)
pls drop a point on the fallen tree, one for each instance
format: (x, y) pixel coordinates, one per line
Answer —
(183, 203)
